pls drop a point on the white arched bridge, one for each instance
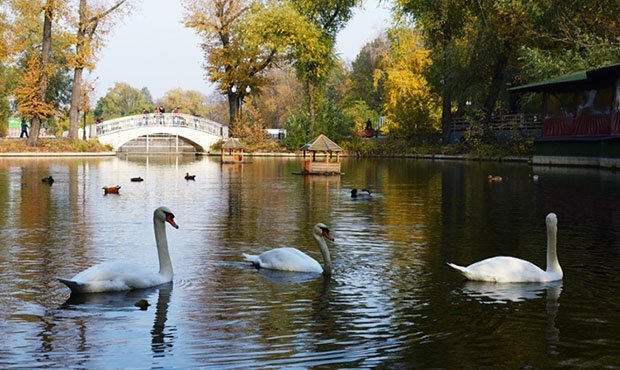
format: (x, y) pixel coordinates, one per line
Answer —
(155, 132)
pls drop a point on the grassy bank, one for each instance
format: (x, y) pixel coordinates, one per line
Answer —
(53, 146)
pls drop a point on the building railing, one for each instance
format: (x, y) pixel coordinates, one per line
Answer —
(505, 122)
(162, 120)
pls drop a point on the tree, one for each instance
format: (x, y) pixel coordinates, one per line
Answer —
(566, 37)
(330, 16)
(25, 43)
(363, 86)
(229, 63)
(86, 47)
(122, 100)
(408, 99)
(188, 101)
(443, 23)
(237, 59)
(35, 90)
(479, 49)
(5, 109)
(279, 97)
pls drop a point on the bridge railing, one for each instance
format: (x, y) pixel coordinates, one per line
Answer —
(161, 120)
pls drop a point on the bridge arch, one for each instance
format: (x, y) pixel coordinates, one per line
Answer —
(198, 132)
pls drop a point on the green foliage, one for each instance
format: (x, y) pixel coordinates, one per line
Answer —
(297, 130)
(363, 86)
(570, 36)
(520, 146)
(359, 112)
(479, 50)
(330, 15)
(332, 122)
(360, 147)
(122, 100)
(476, 136)
(541, 64)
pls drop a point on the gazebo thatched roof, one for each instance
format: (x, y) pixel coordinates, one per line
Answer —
(322, 143)
(232, 143)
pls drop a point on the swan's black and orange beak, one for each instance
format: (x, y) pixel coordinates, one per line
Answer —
(170, 220)
(326, 234)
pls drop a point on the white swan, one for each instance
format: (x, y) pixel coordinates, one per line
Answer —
(117, 276)
(515, 270)
(291, 259)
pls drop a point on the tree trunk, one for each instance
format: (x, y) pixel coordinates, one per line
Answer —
(46, 48)
(497, 82)
(86, 30)
(76, 100)
(233, 109)
(311, 101)
(446, 107)
(446, 114)
(76, 88)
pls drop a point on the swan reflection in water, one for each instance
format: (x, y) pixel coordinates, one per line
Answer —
(161, 340)
(289, 277)
(490, 293)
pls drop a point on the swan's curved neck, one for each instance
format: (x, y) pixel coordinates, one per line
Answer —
(553, 265)
(165, 265)
(327, 260)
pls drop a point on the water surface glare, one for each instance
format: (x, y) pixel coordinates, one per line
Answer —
(392, 301)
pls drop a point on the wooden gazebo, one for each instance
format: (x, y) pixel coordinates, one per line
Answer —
(232, 151)
(327, 164)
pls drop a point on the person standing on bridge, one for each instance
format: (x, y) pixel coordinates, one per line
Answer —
(98, 126)
(145, 117)
(161, 110)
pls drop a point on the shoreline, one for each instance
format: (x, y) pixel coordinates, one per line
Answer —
(58, 154)
(461, 157)
(448, 157)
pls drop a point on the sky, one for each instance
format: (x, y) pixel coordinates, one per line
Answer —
(151, 48)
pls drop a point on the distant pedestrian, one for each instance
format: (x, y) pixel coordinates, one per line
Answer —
(98, 126)
(24, 128)
(145, 117)
(161, 110)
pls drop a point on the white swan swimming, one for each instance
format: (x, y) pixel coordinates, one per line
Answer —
(514, 270)
(117, 276)
(291, 259)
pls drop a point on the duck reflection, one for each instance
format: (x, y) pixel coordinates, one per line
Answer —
(161, 339)
(518, 292)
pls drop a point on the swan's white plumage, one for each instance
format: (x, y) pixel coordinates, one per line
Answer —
(514, 270)
(287, 259)
(118, 276)
(291, 259)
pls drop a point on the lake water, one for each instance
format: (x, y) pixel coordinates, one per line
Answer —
(392, 301)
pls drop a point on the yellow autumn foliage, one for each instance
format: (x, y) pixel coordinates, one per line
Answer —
(27, 92)
(410, 105)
